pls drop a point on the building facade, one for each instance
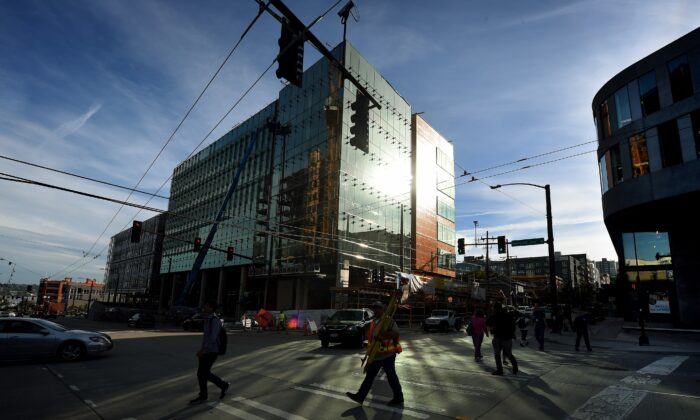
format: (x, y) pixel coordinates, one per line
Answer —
(58, 296)
(319, 204)
(133, 269)
(608, 267)
(648, 123)
(432, 202)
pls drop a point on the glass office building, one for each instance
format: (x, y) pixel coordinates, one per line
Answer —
(648, 121)
(318, 205)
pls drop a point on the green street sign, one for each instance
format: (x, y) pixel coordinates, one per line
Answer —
(523, 242)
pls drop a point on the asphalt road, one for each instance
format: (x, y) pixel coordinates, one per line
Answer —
(150, 374)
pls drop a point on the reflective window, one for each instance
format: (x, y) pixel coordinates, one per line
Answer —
(603, 175)
(670, 144)
(650, 275)
(615, 165)
(648, 93)
(695, 119)
(605, 120)
(446, 259)
(446, 234)
(646, 249)
(679, 75)
(446, 210)
(622, 106)
(639, 155)
(445, 161)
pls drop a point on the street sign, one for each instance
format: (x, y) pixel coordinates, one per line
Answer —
(523, 242)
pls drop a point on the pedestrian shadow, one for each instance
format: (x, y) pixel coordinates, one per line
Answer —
(188, 411)
(358, 413)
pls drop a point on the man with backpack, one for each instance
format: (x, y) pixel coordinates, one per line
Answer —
(213, 345)
(502, 326)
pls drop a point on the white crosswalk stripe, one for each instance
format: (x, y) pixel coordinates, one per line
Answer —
(234, 411)
(266, 408)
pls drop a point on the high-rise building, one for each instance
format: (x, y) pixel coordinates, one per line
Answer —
(648, 122)
(608, 267)
(323, 202)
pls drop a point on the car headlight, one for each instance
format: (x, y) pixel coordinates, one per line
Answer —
(352, 328)
(98, 339)
(322, 328)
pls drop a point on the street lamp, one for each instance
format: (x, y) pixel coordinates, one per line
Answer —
(550, 242)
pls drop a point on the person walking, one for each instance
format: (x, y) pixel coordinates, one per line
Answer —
(478, 329)
(503, 330)
(282, 322)
(208, 353)
(540, 325)
(389, 347)
(523, 322)
(581, 326)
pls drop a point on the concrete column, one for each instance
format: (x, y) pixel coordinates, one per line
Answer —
(203, 289)
(220, 292)
(172, 294)
(241, 290)
(161, 298)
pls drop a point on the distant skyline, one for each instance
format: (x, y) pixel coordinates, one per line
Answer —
(96, 88)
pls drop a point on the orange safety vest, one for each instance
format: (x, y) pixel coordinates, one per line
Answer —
(387, 345)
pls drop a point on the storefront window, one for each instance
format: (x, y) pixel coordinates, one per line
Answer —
(646, 249)
(648, 93)
(622, 106)
(639, 155)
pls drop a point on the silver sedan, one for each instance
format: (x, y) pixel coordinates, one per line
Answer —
(22, 338)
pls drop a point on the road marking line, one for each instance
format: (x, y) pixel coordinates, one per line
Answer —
(90, 403)
(272, 410)
(640, 380)
(612, 403)
(74, 388)
(421, 407)
(234, 411)
(59, 375)
(378, 406)
(675, 395)
(664, 366)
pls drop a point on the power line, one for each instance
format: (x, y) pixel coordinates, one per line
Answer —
(80, 176)
(245, 32)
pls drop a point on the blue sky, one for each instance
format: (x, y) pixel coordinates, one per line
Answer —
(96, 88)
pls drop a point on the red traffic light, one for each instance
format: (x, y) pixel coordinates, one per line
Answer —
(197, 244)
(229, 253)
(136, 231)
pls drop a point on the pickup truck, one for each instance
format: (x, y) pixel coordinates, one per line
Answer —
(443, 320)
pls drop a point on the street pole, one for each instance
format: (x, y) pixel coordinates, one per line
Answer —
(486, 286)
(550, 244)
(401, 238)
(87, 310)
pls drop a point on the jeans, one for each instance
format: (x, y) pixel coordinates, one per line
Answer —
(506, 346)
(389, 367)
(206, 361)
(523, 336)
(539, 335)
(478, 339)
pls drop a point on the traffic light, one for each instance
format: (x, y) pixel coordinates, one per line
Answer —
(291, 55)
(501, 244)
(460, 246)
(197, 244)
(381, 274)
(229, 253)
(359, 129)
(136, 231)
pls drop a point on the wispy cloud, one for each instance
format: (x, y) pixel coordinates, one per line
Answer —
(70, 127)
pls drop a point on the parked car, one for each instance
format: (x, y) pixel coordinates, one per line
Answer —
(196, 322)
(442, 319)
(141, 319)
(22, 338)
(7, 314)
(346, 326)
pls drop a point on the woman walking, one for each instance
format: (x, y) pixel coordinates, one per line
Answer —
(478, 324)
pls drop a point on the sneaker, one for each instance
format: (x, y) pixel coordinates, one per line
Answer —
(354, 397)
(198, 400)
(497, 373)
(224, 389)
(506, 363)
(396, 401)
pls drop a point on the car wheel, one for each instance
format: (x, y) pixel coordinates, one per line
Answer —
(71, 351)
(458, 325)
(324, 343)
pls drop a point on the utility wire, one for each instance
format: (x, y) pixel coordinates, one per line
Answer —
(177, 128)
(80, 176)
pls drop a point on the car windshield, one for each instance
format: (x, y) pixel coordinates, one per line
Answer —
(440, 313)
(51, 325)
(346, 316)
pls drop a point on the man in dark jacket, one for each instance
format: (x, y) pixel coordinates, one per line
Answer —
(581, 328)
(208, 353)
(502, 326)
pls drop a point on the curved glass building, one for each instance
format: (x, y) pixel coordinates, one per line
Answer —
(648, 124)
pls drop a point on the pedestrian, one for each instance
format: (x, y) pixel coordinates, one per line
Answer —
(523, 322)
(208, 353)
(385, 358)
(581, 327)
(540, 325)
(282, 322)
(478, 328)
(503, 330)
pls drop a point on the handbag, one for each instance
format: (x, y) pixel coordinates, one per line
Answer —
(470, 329)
